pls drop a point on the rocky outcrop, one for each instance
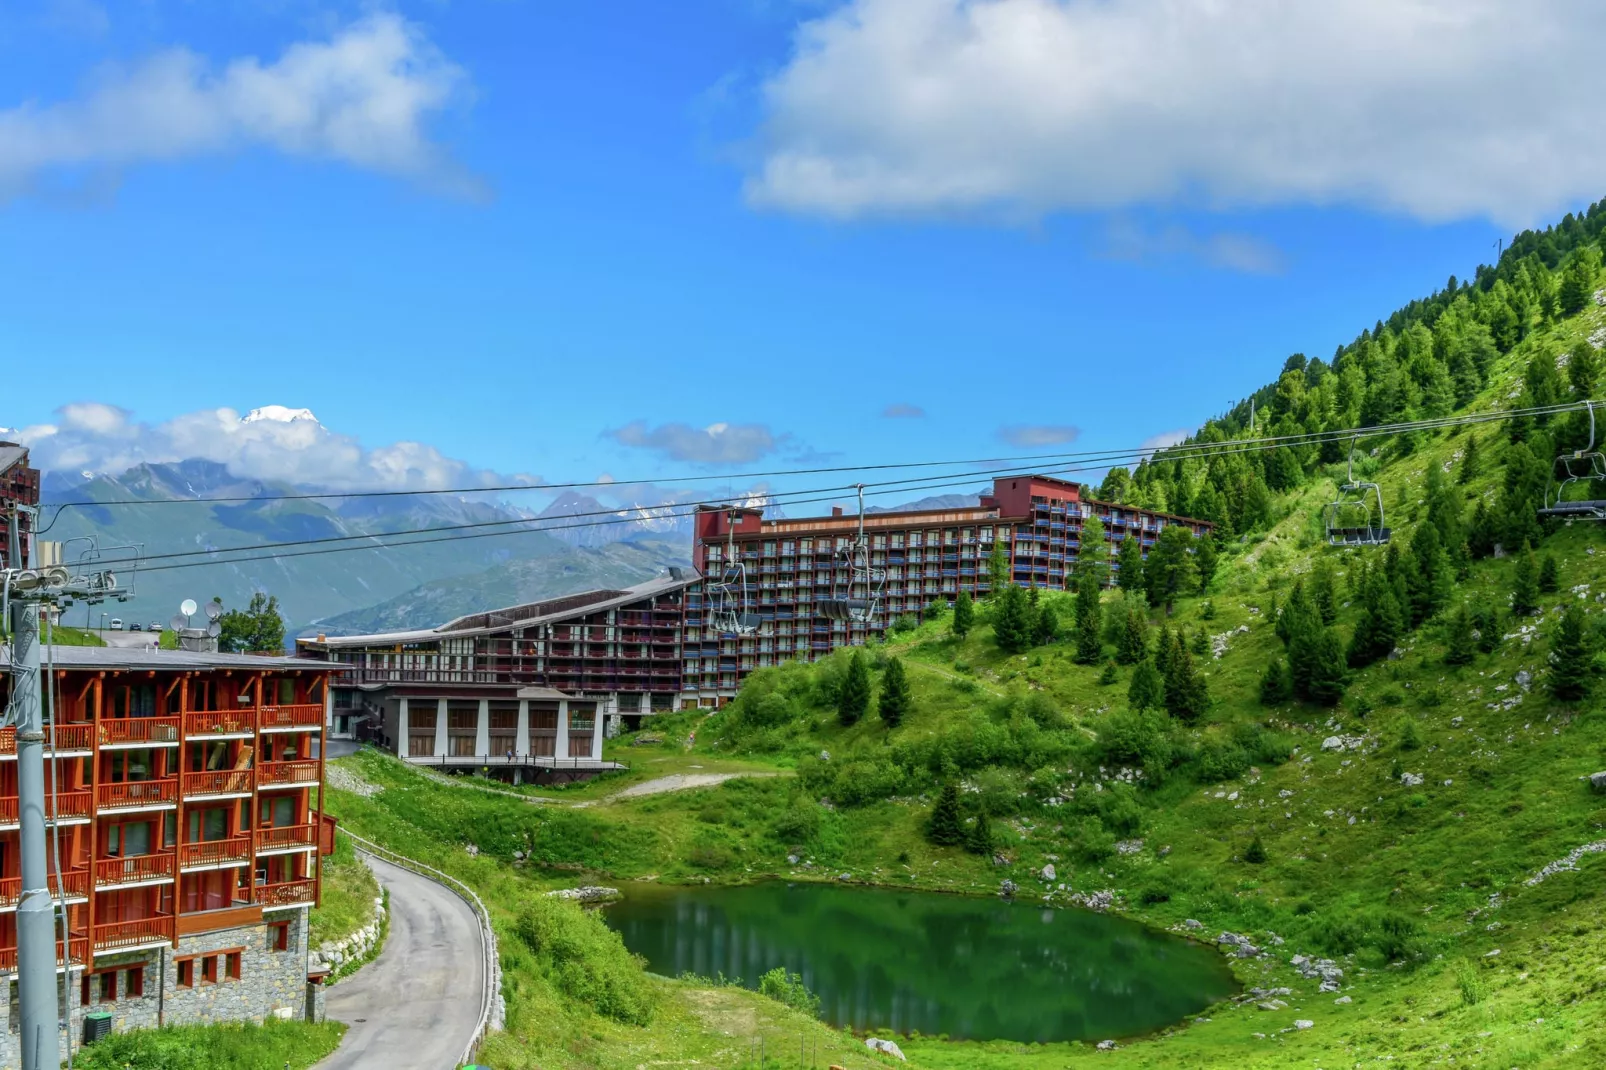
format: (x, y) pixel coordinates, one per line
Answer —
(587, 893)
(885, 1047)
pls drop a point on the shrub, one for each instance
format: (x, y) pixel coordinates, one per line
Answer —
(1471, 985)
(1256, 854)
(788, 988)
(1410, 733)
(1220, 760)
(1092, 842)
(586, 960)
(799, 822)
(1136, 738)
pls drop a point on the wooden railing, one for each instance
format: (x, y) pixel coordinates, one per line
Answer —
(115, 934)
(110, 872)
(300, 772)
(79, 947)
(215, 852)
(289, 893)
(68, 804)
(138, 730)
(75, 884)
(304, 715)
(218, 782)
(270, 839)
(139, 793)
(219, 722)
(73, 736)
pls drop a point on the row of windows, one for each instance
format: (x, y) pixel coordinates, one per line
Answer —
(128, 982)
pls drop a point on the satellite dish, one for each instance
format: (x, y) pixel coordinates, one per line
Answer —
(177, 623)
(214, 630)
(214, 609)
(188, 607)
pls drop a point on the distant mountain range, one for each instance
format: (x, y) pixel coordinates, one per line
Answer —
(934, 501)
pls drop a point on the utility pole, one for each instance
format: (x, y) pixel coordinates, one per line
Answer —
(28, 592)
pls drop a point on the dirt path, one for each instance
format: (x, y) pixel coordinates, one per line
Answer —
(673, 782)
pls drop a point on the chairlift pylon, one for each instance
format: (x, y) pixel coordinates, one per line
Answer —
(729, 612)
(864, 606)
(1579, 466)
(1356, 517)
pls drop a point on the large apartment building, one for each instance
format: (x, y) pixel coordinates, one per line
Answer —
(525, 690)
(184, 792)
(19, 485)
(788, 567)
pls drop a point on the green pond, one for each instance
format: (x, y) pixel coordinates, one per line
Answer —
(971, 968)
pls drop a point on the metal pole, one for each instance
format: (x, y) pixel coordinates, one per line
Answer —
(36, 937)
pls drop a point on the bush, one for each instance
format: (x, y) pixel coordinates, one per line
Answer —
(799, 823)
(1092, 842)
(1136, 738)
(1471, 985)
(788, 988)
(586, 960)
(1256, 854)
(1221, 761)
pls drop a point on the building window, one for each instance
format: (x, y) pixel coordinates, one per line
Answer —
(209, 970)
(186, 973)
(106, 987)
(232, 965)
(279, 936)
(134, 982)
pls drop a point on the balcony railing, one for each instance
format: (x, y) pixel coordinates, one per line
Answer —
(69, 737)
(305, 715)
(218, 782)
(219, 723)
(214, 852)
(117, 934)
(68, 805)
(138, 793)
(74, 883)
(138, 731)
(110, 872)
(79, 947)
(279, 773)
(271, 839)
(289, 893)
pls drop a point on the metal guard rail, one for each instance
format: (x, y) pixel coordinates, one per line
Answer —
(493, 963)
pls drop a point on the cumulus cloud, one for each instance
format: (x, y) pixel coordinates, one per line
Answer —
(362, 97)
(1126, 240)
(272, 443)
(901, 411)
(1439, 109)
(720, 443)
(1024, 436)
(1166, 438)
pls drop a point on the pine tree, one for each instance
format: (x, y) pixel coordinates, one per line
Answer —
(1577, 283)
(1147, 689)
(945, 827)
(1089, 649)
(1134, 644)
(895, 698)
(1165, 650)
(1583, 370)
(1483, 533)
(1109, 675)
(1327, 672)
(979, 836)
(1275, 687)
(1490, 627)
(964, 615)
(1381, 624)
(1471, 463)
(998, 570)
(1011, 623)
(1205, 559)
(1256, 854)
(1324, 591)
(1170, 572)
(1460, 644)
(1549, 576)
(1444, 514)
(853, 701)
(1048, 626)
(1572, 657)
(1186, 697)
(1093, 551)
(1201, 642)
(1525, 583)
(1129, 562)
(1427, 572)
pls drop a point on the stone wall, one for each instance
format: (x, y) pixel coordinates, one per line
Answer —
(272, 983)
(331, 955)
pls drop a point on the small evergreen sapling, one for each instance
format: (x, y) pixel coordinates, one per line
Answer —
(1461, 643)
(1525, 583)
(1572, 657)
(964, 615)
(895, 699)
(945, 827)
(979, 836)
(1549, 576)
(1275, 686)
(853, 702)
(1134, 644)
(1147, 689)
(1109, 675)
(1256, 854)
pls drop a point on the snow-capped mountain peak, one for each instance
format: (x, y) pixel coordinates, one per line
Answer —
(278, 414)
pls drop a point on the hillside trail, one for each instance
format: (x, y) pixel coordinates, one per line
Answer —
(656, 786)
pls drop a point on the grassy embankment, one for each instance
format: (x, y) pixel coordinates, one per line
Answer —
(268, 1046)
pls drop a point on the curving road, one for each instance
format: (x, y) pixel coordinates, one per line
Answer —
(415, 1006)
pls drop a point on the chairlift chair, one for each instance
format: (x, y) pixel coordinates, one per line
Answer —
(729, 613)
(1580, 466)
(865, 606)
(1356, 517)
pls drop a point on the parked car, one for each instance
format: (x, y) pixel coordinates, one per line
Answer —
(154, 626)
(136, 626)
(117, 624)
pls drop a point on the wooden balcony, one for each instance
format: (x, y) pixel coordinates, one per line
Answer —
(136, 869)
(291, 718)
(286, 837)
(78, 946)
(139, 731)
(74, 884)
(74, 736)
(218, 782)
(288, 894)
(294, 774)
(215, 854)
(69, 806)
(136, 794)
(125, 935)
(211, 724)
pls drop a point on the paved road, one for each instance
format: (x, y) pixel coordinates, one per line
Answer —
(131, 640)
(415, 1006)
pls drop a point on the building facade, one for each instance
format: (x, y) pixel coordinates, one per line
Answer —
(523, 692)
(19, 486)
(185, 797)
(788, 567)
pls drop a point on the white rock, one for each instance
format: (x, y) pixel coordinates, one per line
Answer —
(886, 1047)
(1303, 1023)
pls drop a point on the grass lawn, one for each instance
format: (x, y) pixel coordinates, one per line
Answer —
(270, 1046)
(349, 891)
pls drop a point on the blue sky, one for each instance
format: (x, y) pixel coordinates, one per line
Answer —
(561, 238)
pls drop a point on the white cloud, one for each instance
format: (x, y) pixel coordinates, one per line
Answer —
(1166, 438)
(1024, 436)
(272, 443)
(719, 443)
(1126, 240)
(362, 98)
(1440, 109)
